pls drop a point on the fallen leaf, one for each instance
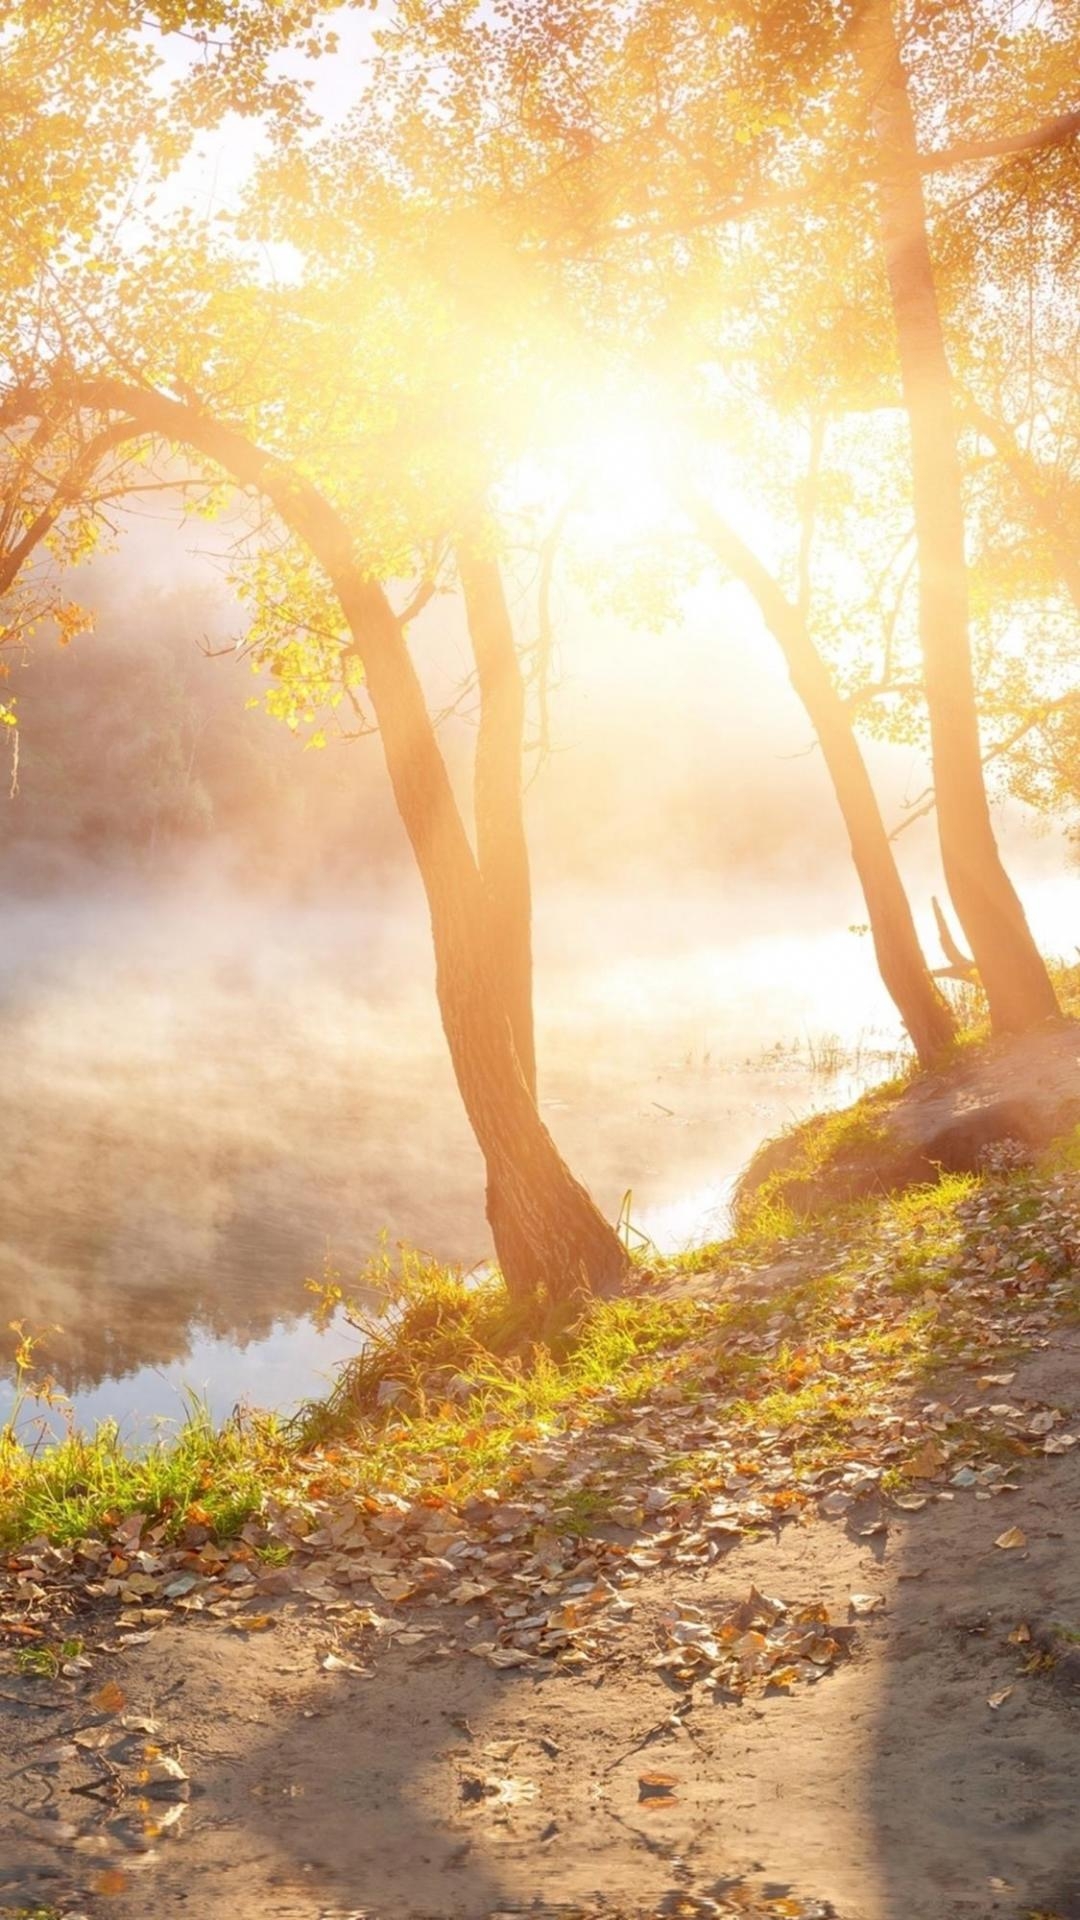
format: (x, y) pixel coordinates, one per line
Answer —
(109, 1699)
(113, 1880)
(996, 1699)
(393, 1588)
(1012, 1537)
(508, 1657)
(332, 1663)
(926, 1463)
(657, 1786)
(836, 1504)
(95, 1739)
(251, 1622)
(164, 1779)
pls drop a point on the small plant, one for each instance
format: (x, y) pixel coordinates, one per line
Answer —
(633, 1238)
(48, 1663)
(827, 1055)
(31, 1385)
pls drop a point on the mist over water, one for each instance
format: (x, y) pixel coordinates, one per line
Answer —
(211, 1099)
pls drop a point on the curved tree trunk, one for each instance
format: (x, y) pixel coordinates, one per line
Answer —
(501, 846)
(1017, 984)
(550, 1237)
(921, 1007)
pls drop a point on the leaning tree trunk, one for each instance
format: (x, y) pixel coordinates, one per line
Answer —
(550, 1237)
(1017, 984)
(903, 969)
(501, 846)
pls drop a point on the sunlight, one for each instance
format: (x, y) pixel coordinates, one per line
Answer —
(627, 457)
(612, 457)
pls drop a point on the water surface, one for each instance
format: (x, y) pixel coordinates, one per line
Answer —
(210, 1102)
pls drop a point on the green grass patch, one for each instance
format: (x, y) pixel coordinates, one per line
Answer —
(824, 1161)
(86, 1482)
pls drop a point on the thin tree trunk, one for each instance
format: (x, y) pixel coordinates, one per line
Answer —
(550, 1237)
(1017, 984)
(903, 968)
(501, 845)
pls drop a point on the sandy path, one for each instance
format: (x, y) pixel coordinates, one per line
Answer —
(891, 1790)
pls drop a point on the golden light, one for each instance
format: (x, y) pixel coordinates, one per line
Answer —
(611, 455)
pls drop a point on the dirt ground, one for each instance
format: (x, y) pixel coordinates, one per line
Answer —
(1006, 1099)
(434, 1785)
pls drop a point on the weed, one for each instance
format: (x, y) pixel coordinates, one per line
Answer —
(47, 1663)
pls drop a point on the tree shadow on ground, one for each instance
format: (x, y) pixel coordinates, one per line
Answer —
(970, 1787)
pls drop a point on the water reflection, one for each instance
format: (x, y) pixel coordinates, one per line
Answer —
(206, 1103)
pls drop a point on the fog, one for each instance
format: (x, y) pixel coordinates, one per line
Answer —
(223, 1068)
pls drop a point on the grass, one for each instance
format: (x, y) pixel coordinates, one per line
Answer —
(839, 1155)
(790, 1174)
(807, 1362)
(87, 1482)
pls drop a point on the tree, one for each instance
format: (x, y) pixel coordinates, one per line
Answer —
(900, 960)
(596, 139)
(154, 304)
(1017, 984)
(549, 1236)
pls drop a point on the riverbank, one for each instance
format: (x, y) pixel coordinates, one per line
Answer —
(751, 1592)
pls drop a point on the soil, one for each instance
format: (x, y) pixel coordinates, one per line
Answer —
(890, 1790)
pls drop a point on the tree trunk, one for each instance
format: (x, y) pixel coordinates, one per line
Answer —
(903, 968)
(501, 846)
(550, 1237)
(1017, 984)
